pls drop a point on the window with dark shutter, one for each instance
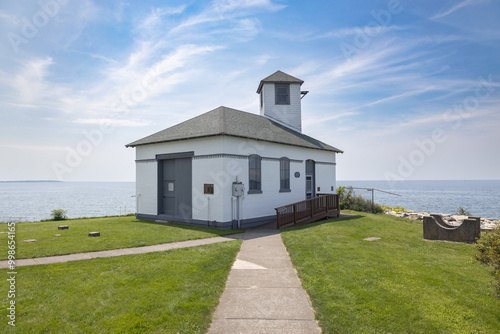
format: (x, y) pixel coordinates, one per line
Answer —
(284, 174)
(254, 174)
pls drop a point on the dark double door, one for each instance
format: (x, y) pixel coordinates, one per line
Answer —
(175, 188)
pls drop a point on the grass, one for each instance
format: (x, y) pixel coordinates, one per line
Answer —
(398, 284)
(116, 232)
(175, 291)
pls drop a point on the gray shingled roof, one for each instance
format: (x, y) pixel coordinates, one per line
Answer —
(225, 121)
(277, 77)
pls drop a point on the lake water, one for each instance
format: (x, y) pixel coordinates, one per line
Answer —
(32, 201)
(481, 198)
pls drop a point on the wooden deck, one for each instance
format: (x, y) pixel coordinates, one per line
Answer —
(308, 211)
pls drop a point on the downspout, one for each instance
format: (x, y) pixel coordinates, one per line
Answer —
(232, 212)
(238, 210)
(208, 211)
(239, 225)
(137, 203)
(238, 206)
(238, 190)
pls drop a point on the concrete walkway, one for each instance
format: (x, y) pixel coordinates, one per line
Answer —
(121, 251)
(263, 293)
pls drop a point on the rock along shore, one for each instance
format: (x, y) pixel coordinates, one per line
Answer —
(455, 220)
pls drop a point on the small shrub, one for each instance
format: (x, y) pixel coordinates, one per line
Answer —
(59, 214)
(359, 203)
(396, 209)
(377, 208)
(489, 254)
(461, 211)
(345, 197)
(348, 201)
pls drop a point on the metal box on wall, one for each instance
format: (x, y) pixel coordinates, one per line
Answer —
(238, 189)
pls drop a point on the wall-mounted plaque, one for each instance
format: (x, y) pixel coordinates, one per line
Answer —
(208, 188)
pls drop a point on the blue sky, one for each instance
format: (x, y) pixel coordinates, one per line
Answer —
(408, 89)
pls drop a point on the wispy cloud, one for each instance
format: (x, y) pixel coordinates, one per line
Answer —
(376, 68)
(164, 63)
(30, 79)
(220, 10)
(154, 65)
(263, 59)
(36, 147)
(442, 118)
(365, 31)
(145, 72)
(156, 16)
(454, 8)
(336, 116)
(144, 61)
(342, 33)
(11, 19)
(142, 72)
(111, 121)
(357, 70)
(398, 96)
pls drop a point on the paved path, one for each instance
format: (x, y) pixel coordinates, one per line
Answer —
(263, 293)
(121, 251)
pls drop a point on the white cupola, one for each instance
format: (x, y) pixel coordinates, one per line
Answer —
(280, 97)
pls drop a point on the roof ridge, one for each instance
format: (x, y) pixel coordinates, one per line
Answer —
(235, 123)
(279, 76)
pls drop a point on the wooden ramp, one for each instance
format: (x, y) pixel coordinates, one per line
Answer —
(308, 211)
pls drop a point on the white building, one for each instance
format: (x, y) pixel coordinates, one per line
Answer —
(228, 168)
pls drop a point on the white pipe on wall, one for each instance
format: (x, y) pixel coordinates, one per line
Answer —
(238, 210)
(208, 210)
(232, 211)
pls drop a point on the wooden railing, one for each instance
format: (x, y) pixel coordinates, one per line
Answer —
(308, 211)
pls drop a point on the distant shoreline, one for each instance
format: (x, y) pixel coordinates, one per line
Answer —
(24, 181)
(337, 181)
(31, 200)
(57, 181)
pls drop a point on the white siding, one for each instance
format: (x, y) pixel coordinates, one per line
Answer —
(209, 207)
(325, 179)
(259, 205)
(201, 146)
(223, 170)
(147, 187)
(249, 146)
(287, 114)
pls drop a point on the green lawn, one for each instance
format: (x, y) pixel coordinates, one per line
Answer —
(167, 292)
(398, 284)
(116, 232)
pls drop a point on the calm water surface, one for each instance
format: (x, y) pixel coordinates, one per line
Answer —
(32, 201)
(481, 198)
